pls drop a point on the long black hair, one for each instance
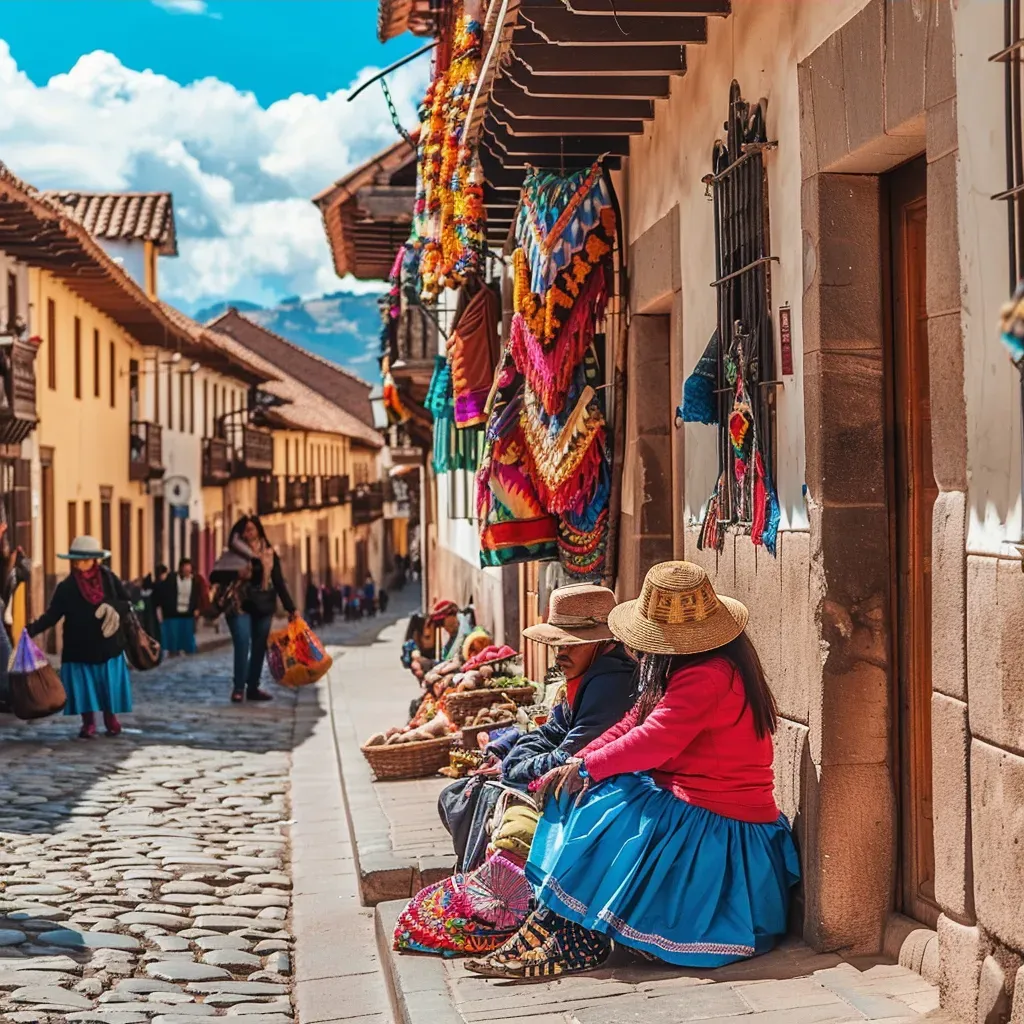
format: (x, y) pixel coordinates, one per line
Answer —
(655, 670)
(240, 525)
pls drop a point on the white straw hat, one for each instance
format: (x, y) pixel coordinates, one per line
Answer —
(85, 547)
(678, 612)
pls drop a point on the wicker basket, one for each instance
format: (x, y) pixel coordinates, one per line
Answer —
(414, 760)
(470, 732)
(461, 705)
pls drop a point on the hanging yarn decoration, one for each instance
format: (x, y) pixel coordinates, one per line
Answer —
(700, 403)
(711, 536)
(741, 422)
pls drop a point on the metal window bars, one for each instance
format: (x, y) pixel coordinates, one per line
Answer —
(1011, 56)
(738, 187)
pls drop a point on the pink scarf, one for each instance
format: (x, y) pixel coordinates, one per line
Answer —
(90, 584)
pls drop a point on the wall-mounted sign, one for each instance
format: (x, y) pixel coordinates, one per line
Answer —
(786, 339)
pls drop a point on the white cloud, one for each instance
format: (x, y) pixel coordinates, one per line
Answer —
(186, 7)
(242, 175)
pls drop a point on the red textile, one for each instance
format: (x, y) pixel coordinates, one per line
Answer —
(697, 744)
(572, 687)
(90, 583)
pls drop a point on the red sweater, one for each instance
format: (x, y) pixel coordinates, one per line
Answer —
(699, 742)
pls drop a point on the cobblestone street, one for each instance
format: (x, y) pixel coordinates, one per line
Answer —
(148, 876)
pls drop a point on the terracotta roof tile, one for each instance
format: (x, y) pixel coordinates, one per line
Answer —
(123, 216)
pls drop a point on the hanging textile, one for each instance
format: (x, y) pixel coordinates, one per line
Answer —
(700, 403)
(471, 348)
(546, 479)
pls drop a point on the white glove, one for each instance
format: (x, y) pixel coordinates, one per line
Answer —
(110, 621)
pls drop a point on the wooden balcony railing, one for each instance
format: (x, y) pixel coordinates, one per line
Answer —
(335, 490)
(145, 453)
(216, 462)
(268, 495)
(254, 451)
(298, 493)
(17, 391)
(367, 503)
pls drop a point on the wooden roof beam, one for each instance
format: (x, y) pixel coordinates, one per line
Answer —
(565, 126)
(560, 145)
(629, 8)
(587, 86)
(518, 103)
(386, 203)
(544, 59)
(560, 27)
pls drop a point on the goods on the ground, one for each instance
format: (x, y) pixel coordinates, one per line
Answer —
(498, 713)
(437, 727)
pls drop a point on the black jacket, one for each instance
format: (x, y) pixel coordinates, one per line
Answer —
(84, 641)
(605, 695)
(260, 601)
(165, 597)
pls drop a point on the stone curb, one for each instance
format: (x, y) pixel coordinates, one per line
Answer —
(419, 993)
(383, 874)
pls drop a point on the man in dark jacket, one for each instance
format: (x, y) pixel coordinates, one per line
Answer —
(599, 691)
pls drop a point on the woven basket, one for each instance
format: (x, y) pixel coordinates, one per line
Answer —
(470, 732)
(461, 705)
(414, 760)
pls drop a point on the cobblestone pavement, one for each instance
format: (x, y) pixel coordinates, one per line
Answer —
(146, 877)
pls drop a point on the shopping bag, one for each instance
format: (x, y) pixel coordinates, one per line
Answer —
(142, 651)
(35, 687)
(296, 656)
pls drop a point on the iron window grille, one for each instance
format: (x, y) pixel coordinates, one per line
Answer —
(1013, 195)
(746, 347)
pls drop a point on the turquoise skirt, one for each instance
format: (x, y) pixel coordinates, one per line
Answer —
(655, 873)
(103, 687)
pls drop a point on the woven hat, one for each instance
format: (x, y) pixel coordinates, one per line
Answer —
(85, 547)
(678, 612)
(577, 614)
(442, 609)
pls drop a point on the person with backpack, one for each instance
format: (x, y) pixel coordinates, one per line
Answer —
(93, 668)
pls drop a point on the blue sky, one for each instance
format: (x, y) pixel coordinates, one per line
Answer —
(237, 107)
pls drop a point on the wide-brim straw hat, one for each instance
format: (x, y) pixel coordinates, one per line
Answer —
(83, 548)
(678, 612)
(577, 614)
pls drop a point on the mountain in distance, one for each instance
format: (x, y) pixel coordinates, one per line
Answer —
(340, 326)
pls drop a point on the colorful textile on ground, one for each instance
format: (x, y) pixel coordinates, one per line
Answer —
(467, 913)
(700, 404)
(471, 349)
(638, 865)
(546, 946)
(103, 687)
(547, 480)
(449, 218)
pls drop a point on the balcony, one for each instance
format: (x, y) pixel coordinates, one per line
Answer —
(298, 493)
(268, 495)
(254, 451)
(146, 451)
(414, 343)
(18, 391)
(216, 462)
(367, 503)
(335, 490)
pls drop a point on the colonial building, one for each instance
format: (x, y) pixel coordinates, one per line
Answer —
(817, 220)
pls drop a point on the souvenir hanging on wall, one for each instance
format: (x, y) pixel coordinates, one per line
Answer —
(471, 349)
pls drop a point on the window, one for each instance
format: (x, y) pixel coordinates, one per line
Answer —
(12, 299)
(191, 403)
(87, 517)
(181, 402)
(96, 364)
(51, 344)
(206, 408)
(78, 358)
(133, 386)
(170, 398)
(156, 390)
(140, 539)
(743, 346)
(72, 521)
(113, 376)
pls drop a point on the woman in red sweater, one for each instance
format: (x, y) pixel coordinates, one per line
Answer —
(673, 845)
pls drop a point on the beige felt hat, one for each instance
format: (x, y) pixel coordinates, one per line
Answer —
(577, 614)
(678, 612)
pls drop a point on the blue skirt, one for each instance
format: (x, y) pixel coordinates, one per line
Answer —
(102, 687)
(178, 635)
(653, 872)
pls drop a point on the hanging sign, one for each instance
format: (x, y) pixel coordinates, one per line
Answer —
(786, 338)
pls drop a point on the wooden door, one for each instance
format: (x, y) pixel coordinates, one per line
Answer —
(914, 492)
(125, 510)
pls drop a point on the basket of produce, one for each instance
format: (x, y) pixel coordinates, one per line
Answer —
(471, 733)
(463, 705)
(410, 753)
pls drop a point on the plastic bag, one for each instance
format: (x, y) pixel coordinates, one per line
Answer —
(35, 688)
(296, 656)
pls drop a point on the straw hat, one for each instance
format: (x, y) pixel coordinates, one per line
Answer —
(83, 548)
(577, 614)
(678, 612)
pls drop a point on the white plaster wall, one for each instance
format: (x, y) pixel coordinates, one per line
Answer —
(991, 383)
(131, 256)
(760, 45)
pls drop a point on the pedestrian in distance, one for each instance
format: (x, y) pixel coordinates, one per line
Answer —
(250, 623)
(369, 596)
(382, 600)
(178, 599)
(93, 667)
(313, 613)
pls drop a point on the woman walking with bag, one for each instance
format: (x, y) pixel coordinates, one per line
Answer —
(256, 602)
(93, 667)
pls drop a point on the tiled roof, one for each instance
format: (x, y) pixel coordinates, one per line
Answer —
(397, 16)
(123, 216)
(338, 386)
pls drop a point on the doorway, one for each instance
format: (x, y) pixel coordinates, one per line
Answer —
(126, 539)
(913, 492)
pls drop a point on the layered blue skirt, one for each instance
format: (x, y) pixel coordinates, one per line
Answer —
(178, 636)
(655, 873)
(102, 687)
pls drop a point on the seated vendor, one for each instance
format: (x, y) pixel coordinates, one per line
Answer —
(444, 615)
(663, 834)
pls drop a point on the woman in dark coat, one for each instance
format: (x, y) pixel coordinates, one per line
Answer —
(250, 621)
(93, 667)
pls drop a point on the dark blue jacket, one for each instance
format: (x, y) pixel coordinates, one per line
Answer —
(605, 694)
